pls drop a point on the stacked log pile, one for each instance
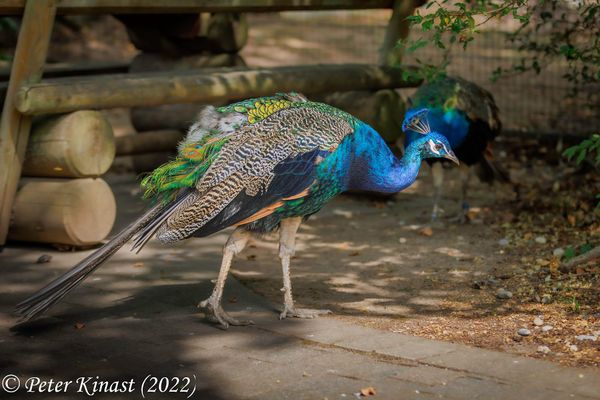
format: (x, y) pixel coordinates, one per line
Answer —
(62, 200)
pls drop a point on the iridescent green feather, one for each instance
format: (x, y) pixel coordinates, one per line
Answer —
(194, 159)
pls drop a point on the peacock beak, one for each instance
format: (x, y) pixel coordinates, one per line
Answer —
(452, 157)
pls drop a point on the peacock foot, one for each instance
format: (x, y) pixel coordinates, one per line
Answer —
(293, 312)
(463, 215)
(215, 313)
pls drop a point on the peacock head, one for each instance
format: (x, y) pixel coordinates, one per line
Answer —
(430, 144)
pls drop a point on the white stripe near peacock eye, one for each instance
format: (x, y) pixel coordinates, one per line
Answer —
(432, 147)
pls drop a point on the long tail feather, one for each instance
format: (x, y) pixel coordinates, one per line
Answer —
(61, 286)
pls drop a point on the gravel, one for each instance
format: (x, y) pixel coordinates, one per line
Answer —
(547, 328)
(543, 349)
(558, 252)
(592, 338)
(503, 294)
(537, 321)
(503, 242)
(546, 299)
(540, 240)
(524, 332)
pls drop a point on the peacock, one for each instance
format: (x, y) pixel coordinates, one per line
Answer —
(467, 116)
(256, 165)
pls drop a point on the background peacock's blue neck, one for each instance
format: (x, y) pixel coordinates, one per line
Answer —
(451, 123)
(373, 167)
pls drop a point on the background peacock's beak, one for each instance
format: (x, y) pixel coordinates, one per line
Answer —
(452, 157)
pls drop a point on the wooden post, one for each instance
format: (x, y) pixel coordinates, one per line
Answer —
(398, 27)
(27, 68)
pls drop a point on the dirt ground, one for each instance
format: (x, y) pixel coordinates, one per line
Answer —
(364, 257)
(370, 263)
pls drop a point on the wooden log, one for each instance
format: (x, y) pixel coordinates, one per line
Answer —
(383, 109)
(169, 116)
(174, 116)
(148, 142)
(144, 163)
(28, 63)
(15, 7)
(76, 212)
(69, 94)
(76, 145)
(227, 32)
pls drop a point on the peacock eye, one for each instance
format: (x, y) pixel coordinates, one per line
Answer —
(439, 146)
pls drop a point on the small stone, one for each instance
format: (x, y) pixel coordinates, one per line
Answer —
(547, 328)
(558, 252)
(524, 332)
(592, 338)
(537, 321)
(543, 349)
(44, 258)
(402, 240)
(478, 285)
(540, 240)
(573, 347)
(503, 294)
(546, 299)
(503, 242)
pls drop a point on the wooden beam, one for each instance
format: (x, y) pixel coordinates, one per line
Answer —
(30, 55)
(15, 7)
(151, 89)
(148, 142)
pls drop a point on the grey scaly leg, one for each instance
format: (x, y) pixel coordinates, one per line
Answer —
(465, 175)
(213, 309)
(437, 173)
(287, 245)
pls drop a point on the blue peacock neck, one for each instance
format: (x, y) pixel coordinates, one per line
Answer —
(375, 168)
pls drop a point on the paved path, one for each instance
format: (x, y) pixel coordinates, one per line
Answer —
(136, 317)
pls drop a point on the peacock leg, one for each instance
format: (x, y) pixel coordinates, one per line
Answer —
(465, 175)
(287, 244)
(437, 173)
(213, 309)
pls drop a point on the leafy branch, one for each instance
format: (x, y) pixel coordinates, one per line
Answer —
(548, 31)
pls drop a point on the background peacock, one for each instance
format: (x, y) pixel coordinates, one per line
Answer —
(257, 165)
(467, 116)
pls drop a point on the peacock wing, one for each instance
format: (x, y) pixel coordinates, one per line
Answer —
(259, 166)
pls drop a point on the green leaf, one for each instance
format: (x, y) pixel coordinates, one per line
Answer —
(569, 253)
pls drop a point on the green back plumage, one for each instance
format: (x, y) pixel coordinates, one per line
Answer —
(196, 157)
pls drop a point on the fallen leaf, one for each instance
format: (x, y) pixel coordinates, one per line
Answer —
(44, 258)
(138, 265)
(427, 231)
(368, 391)
(354, 254)
(79, 325)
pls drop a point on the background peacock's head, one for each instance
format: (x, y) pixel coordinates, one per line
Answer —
(430, 144)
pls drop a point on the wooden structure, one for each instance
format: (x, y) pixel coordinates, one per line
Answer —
(26, 95)
(78, 212)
